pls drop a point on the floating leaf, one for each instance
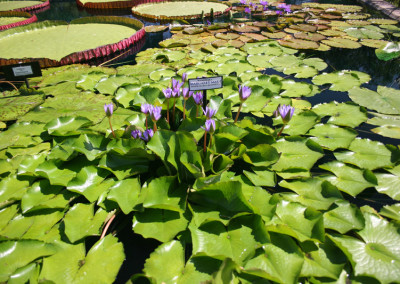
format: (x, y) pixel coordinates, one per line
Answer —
(15, 104)
(385, 100)
(17, 254)
(81, 221)
(158, 265)
(341, 114)
(159, 224)
(341, 43)
(299, 154)
(389, 183)
(296, 220)
(299, 43)
(366, 154)
(344, 218)
(315, 193)
(268, 265)
(331, 136)
(348, 179)
(376, 254)
(126, 193)
(341, 81)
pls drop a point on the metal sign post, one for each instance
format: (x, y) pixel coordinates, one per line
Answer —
(204, 84)
(22, 71)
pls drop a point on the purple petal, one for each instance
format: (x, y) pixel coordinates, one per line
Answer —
(198, 98)
(109, 108)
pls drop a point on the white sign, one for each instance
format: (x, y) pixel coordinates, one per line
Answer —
(200, 84)
(22, 71)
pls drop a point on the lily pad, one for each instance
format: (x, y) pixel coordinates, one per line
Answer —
(364, 153)
(341, 114)
(15, 104)
(331, 136)
(385, 100)
(341, 43)
(389, 125)
(342, 80)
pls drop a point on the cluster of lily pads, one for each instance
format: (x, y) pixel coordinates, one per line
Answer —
(287, 191)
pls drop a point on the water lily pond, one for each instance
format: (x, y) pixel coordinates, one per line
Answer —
(287, 173)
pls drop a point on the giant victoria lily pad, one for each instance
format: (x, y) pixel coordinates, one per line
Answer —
(58, 43)
(13, 19)
(22, 5)
(179, 9)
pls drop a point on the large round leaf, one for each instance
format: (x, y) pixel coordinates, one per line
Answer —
(377, 253)
(367, 154)
(385, 100)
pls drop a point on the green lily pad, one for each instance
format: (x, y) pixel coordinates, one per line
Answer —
(348, 178)
(158, 265)
(14, 104)
(17, 254)
(389, 125)
(385, 100)
(391, 211)
(81, 221)
(315, 193)
(342, 80)
(341, 114)
(295, 89)
(344, 218)
(299, 43)
(297, 154)
(87, 82)
(231, 66)
(389, 183)
(364, 32)
(339, 42)
(108, 85)
(376, 250)
(159, 224)
(331, 136)
(88, 105)
(364, 153)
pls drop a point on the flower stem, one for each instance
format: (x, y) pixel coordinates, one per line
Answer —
(107, 225)
(154, 126)
(205, 142)
(209, 143)
(168, 111)
(280, 132)
(173, 112)
(112, 130)
(237, 114)
(184, 109)
(146, 122)
(197, 111)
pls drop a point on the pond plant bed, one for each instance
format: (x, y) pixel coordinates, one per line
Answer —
(250, 184)
(55, 43)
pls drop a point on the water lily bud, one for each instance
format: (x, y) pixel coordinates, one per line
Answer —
(167, 92)
(209, 126)
(136, 133)
(145, 108)
(155, 113)
(147, 134)
(244, 92)
(198, 98)
(286, 112)
(109, 108)
(209, 112)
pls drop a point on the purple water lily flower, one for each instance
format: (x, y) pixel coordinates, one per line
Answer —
(167, 92)
(209, 112)
(285, 7)
(184, 77)
(286, 112)
(155, 113)
(176, 84)
(109, 108)
(208, 23)
(176, 92)
(264, 3)
(198, 98)
(136, 133)
(244, 92)
(147, 134)
(243, 2)
(247, 10)
(145, 108)
(209, 126)
(186, 93)
(279, 12)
